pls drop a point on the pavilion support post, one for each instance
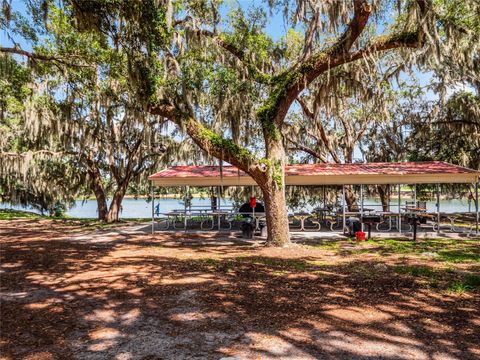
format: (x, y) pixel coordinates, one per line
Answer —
(219, 207)
(470, 198)
(438, 208)
(399, 208)
(185, 208)
(361, 205)
(253, 214)
(343, 210)
(153, 208)
(476, 209)
(415, 195)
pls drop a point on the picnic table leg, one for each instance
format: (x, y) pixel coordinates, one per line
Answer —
(361, 206)
(415, 229)
(219, 207)
(185, 208)
(415, 195)
(399, 209)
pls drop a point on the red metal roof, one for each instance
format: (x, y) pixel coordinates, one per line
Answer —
(198, 171)
(381, 168)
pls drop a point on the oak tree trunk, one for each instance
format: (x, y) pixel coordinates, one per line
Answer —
(384, 193)
(276, 214)
(97, 188)
(213, 199)
(102, 206)
(273, 190)
(350, 199)
(116, 205)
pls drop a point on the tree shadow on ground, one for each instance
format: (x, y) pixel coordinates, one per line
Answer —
(143, 297)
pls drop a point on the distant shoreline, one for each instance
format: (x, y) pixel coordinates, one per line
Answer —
(163, 196)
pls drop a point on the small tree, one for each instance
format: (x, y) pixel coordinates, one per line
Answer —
(29, 176)
(449, 132)
(77, 123)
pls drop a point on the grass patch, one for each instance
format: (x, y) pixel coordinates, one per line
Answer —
(372, 251)
(437, 249)
(80, 225)
(317, 263)
(326, 245)
(446, 279)
(10, 214)
(288, 264)
(416, 271)
(274, 266)
(448, 250)
(469, 283)
(458, 287)
(75, 224)
(471, 254)
(279, 273)
(394, 245)
(215, 265)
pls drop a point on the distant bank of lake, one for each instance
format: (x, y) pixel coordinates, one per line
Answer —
(135, 208)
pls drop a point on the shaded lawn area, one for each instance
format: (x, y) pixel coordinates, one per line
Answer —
(9, 214)
(75, 292)
(70, 224)
(464, 250)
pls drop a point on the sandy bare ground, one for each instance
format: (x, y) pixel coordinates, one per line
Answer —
(120, 295)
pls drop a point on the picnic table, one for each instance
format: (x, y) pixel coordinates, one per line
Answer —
(258, 216)
(302, 216)
(218, 214)
(388, 217)
(322, 213)
(466, 218)
(175, 214)
(414, 209)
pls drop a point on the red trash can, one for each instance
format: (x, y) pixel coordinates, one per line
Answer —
(360, 235)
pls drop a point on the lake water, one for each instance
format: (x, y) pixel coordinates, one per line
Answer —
(134, 208)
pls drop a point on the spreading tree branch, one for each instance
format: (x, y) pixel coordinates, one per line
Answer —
(294, 80)
(323, 134)
(40, 57)
(240, 54)
(212, 143)
(31, 153)
(299, 147)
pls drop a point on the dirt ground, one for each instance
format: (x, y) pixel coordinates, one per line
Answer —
(115, 294)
